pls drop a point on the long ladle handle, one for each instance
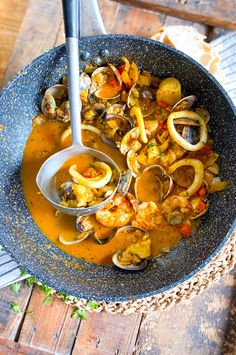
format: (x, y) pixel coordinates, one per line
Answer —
(71, 13)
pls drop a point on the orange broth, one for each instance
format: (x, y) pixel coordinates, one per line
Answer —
(44, 140)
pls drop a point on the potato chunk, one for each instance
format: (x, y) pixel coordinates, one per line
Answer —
(169, 92)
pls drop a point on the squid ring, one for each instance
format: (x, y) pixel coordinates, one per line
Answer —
(95, 182)
(198, 178)
(177, 137)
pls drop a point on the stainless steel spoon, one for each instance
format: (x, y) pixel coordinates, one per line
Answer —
(46, 177)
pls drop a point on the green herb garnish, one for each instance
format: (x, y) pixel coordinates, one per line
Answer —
(31, 280)
(15, 307)
(92, 165)
(15, 287)
(78, 313)
(23, 272)
(92, 305)
(48, 299)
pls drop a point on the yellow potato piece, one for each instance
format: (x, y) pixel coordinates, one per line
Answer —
(169, 91)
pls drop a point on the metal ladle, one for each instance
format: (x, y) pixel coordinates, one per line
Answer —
(46, 177)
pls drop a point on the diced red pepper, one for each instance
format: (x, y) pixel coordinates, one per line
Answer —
(201, 206)
(202, 191)
(185, 229)
(88, 173)
(114, 83)
(162, 125)
(121, 68)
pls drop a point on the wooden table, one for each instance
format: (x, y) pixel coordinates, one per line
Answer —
(204, 325)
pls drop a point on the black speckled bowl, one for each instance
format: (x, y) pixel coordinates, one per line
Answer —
(19, 102)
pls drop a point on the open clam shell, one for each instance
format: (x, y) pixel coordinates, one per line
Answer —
(203, 113)
(133, 164)
(116, 109)
(78, 238)
(100, 82)
(158, 184)
(122, 124)
(119, 125)
(63, 112)
(85, 82)
(131, 267)
(144, 97)
(116, 257)
(86, 224)
(184, 104)
(200, 214)
(83, 224)
(124, 182)
(130, 141)
(53, 97)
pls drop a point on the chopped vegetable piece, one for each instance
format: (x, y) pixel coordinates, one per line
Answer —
(185, 229)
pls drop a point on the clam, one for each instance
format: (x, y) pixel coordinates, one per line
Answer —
(115, 109)
(88, 224)
(66, 191)
(77, 238)
(83, 224)
(124, 182)
(130, 141)
(85, 81)
(144, 97)
(133, 164)
(198, 215)
(131, 267)
(63, 112)
(158, 184)
(119, 123)
(120, 258)
(184, 104)
(203, 113)
(106, 82)
(116, 127)
(53, 98)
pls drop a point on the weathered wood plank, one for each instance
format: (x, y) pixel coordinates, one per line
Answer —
(204, 325)
(128, 19)
(38, 33)
(108, 10)
(9, 27)
(134, 20)
(220, 13)
(49, 327)
(10, 321)
(8, 347)
(107, 334)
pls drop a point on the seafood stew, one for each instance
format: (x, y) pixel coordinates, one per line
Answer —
(135, 118)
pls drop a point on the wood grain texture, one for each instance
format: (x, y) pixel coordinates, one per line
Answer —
(105, 334)
(220, 13)
(38, 33)
(50, 327)
(8, 347)
(10, 321)
(11, 14)
(136, 21)
(200, 326)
